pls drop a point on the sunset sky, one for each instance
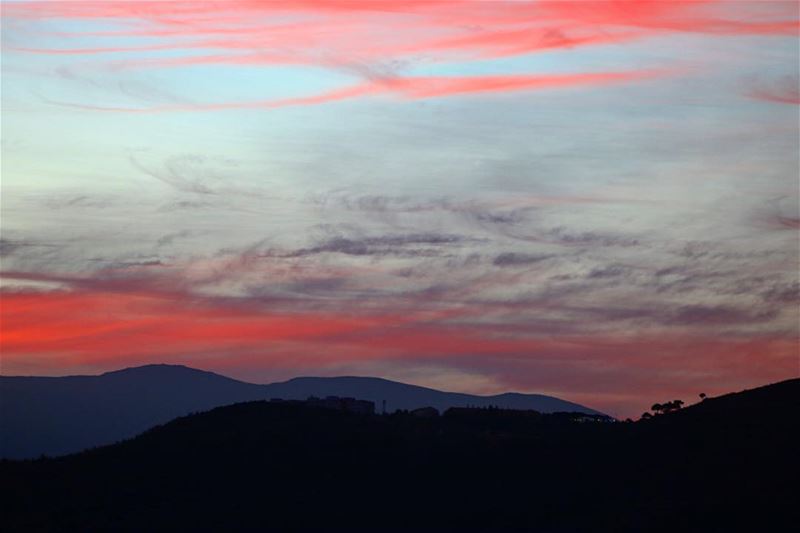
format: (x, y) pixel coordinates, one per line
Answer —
(594, 200)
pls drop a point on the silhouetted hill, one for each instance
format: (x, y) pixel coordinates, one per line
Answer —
(67, 414)
(56, 416)
(728, 464)
(764, 405)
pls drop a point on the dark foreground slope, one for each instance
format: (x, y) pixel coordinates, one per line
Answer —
(57, 416)
(729, 464)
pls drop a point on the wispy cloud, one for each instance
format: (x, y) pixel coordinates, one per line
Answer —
(332, 35)
(405, 245)
(500, 28)
(412, 88)
(512, 259)
(588, 238)
(783, 91)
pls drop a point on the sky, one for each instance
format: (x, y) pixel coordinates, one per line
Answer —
(594, 200)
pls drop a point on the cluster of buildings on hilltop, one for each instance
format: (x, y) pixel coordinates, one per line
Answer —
(350, 405)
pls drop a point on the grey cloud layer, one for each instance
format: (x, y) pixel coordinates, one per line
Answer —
(403, 251)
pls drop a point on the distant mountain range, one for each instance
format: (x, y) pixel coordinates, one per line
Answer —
(62, 415)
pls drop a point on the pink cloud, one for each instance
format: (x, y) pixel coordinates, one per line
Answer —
(420, 25)
(334, 34)
(429, 87)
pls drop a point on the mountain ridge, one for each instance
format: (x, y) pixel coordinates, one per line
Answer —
(62, 415)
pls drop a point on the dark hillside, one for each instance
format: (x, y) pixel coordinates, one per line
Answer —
(718, 466)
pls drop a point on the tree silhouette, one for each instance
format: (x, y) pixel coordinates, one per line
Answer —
(668, 407)
(646, 416)
(703, 396)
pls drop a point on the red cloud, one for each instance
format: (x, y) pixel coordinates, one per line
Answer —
(92, 325)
